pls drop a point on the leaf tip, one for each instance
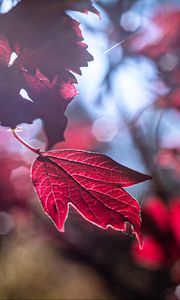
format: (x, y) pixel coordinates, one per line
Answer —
(148, 177)
(145, 177)
(60, 227)
(139, 236)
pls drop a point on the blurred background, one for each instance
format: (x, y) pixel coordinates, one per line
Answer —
(127, 108)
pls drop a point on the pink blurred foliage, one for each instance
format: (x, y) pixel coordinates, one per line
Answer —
(159, 40)
(171, 100)
(78, 135)
(169, 158)
(161, 226)
(165, 38)
(11, 160)
(15, 185)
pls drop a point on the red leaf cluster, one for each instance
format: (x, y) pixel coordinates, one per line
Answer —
(48, 44)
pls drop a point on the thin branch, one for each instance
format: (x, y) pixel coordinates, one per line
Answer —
(157, 131)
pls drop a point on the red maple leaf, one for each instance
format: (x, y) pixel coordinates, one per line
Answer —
(92, 183)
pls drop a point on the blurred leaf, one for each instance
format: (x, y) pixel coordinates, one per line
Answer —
(48, 44)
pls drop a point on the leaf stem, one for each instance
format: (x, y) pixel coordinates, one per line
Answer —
(35, 150)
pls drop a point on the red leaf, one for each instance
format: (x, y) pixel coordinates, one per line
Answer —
(92, 183)
(49, 45)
